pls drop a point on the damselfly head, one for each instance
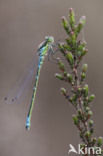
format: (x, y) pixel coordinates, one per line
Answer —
(49, 39)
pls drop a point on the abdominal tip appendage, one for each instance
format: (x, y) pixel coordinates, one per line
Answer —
(27, 126)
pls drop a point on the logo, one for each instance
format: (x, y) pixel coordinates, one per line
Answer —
(84, 150)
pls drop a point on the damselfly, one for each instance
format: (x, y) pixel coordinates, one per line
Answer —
(45, 48)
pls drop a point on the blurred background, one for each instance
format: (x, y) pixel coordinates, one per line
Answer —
(23, 25)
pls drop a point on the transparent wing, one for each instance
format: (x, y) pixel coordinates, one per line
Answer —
(42, 44)
(22, 86)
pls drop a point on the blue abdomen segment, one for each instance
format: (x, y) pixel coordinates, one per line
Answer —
(27, 126)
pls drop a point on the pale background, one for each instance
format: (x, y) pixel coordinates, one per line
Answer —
(23, 25)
